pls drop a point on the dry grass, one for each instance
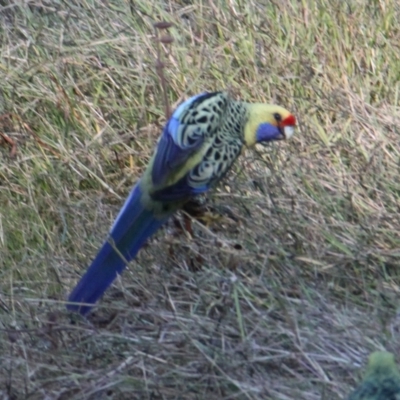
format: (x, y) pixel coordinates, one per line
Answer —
(298, 280)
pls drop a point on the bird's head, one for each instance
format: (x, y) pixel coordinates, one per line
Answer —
(268, 122)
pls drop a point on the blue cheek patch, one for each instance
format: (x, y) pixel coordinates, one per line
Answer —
(267, 132)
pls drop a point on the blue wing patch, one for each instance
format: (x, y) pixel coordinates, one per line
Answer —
(169, 155)
(184, 134)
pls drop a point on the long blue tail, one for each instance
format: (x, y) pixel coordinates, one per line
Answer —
(132, 227)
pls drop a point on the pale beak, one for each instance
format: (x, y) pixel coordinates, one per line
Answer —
(288, 131)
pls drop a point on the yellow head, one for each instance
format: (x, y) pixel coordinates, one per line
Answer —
(268, 122)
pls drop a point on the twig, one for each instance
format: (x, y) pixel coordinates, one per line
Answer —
(160, 65)
(12, 143)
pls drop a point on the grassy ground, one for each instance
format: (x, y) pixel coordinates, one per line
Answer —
(285, 294)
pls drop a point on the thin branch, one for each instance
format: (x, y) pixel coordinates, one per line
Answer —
(160, 64)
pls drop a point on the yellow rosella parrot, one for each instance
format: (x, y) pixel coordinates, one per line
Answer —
(200, 142)
(381, 380)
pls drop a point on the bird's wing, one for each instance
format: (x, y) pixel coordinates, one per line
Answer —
(214, 164)
(185, 132)
(179, 191)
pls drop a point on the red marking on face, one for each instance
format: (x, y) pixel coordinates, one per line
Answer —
(289, 121)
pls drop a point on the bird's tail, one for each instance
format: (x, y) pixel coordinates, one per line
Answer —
(132, 227)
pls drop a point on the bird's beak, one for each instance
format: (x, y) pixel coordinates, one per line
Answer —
(288, 131)
(286, 127)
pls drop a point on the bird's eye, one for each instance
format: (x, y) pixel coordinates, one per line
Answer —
(278, 117)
